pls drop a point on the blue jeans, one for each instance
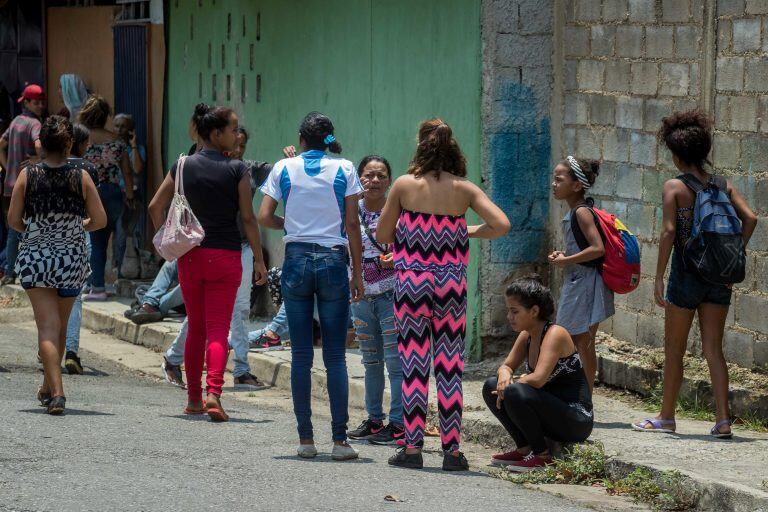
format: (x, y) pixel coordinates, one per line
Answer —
(11, 251)
(76, 317)
(374, 321)
(278, 325)
(238, 332)
(310, 272)
(112, 199)
(161, 294)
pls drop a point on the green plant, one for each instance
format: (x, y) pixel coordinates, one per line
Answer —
(584, 465)
(687, 406)
(751, 421)
(663, 492)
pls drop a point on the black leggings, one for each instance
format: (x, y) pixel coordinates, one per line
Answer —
(530, 414)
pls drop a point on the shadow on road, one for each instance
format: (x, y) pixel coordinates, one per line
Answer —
(69, 412)
(324, 458)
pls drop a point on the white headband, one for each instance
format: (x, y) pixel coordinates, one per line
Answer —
(576, 168)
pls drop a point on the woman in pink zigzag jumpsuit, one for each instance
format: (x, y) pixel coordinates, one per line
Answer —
(424, 217)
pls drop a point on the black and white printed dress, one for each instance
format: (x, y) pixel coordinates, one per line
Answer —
(53, 252)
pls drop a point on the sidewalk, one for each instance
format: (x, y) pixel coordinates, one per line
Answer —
(727, 475)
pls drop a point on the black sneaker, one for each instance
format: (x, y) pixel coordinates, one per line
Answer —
(389, 435)
(56, 406)
(72, 363)
(248, 381)
(405, 460)
(146, 314)
(172, 373)
(453, 462)
(366, 429)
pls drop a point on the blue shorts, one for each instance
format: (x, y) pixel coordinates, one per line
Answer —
(688, 291)
(64, 293)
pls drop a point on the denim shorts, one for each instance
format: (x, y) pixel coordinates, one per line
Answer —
(64, 293)
(687, 290)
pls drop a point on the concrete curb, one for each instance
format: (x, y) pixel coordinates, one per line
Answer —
(476, 426)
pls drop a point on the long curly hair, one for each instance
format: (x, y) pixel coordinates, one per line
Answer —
(437, 151)
(688, 135)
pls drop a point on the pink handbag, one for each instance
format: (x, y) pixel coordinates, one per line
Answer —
(181, 231)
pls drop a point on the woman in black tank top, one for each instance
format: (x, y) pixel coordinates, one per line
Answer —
(551, 399)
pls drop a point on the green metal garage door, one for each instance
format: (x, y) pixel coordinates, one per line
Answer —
(376, 67)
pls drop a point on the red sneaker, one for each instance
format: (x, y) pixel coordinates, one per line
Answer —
(530, 462)
(506, 458)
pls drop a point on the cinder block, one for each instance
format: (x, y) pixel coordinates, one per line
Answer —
(757, 6)
(588, 143)
(536, 16)
(617, 75)
(675, 79)
(590, 75)
(515, 50)
(602, 109)
(695, 80)
(664, 158)
(649, 255)
(615, 10)
(754, 153)
(655, 110)
(744, 113)
(730, 7)
(687, 41)
(756, 74)
(642, 11)
(616, 145)
(730, 73)
(764, 115)
(760, 352)
(645, 78)
(727, 151)
(605, 185)
(659, 41)
(629, 112)
(642, 299)
(641, 220)
(746, 35)
(576, 109)
(724, 36)
(569, 139)
(576, 41)
(625, 325)
(501, 16)
(653, 185)
(629, 41)
(629, 182)
(751, 312)
(738, 347)
(675, 11)
(587, 10)
(603, 37)
(722, 112)
(650, 329)
(570, 75)
(759, 240)
(642, 149)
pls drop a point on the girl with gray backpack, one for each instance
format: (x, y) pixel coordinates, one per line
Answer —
(705, 229)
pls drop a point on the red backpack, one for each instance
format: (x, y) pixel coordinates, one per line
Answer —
(620, 266)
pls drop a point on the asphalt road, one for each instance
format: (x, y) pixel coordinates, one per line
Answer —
(124, 445)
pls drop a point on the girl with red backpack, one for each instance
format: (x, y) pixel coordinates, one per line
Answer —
(708, 258)
(585, 300)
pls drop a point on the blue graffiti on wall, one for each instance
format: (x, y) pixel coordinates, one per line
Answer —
(519, 159)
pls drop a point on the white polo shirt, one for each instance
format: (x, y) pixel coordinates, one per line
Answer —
(313, 187)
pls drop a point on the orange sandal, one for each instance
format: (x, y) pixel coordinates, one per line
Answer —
(194, 412)
(216, 412)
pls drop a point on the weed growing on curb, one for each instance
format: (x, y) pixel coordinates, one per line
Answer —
(588, 465)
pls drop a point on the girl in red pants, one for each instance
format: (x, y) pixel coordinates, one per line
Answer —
(216, 187)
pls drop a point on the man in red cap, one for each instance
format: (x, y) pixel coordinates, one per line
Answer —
(18, 145)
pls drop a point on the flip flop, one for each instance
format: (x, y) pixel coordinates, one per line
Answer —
(216, 413)
(657, 426)
(194, 412)
(715, 432)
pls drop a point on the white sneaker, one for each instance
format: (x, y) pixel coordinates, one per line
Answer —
(343, 452)
(307, 451)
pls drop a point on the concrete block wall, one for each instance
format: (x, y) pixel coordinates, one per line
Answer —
(517, 90)
(741, 151)
(628, 63)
